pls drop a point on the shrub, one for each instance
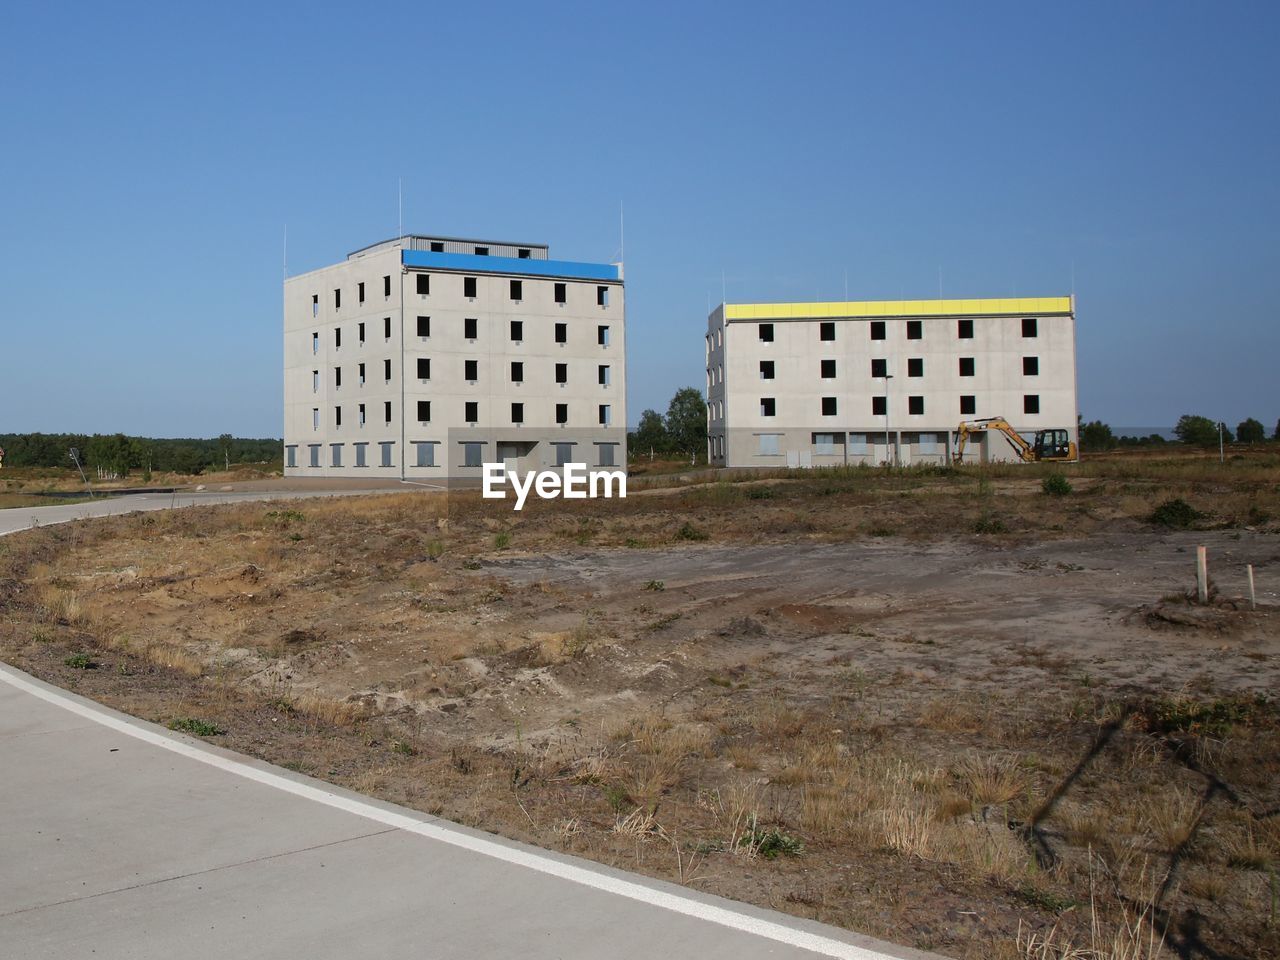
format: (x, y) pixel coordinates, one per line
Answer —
(1175, 514)
(81, 661)
(502, 540)
(1056, 485)
(689, 532)
(989, 524)
(201, 728)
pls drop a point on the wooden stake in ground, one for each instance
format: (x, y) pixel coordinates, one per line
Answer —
(1202, 574)
(1253, 603)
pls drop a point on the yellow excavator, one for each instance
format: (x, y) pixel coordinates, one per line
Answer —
(1049, 446)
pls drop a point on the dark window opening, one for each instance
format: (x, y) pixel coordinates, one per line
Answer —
(360, 292)
(766, 369)
(424, 326)
(386, 286)
(915, 366)
(1030, 366)
(524, 253)
(879, 367)
(562, 333)
(337, 299)
(602, 335)
(766, 332)
(1028, 326)
(602, 296)
(386, 411)
(437, 246)
(471, 412)
(915, 406)
(337, 336)
(469, 326)
(337, 376)
(602, 374)
(424, 368)
(562, 373)
(424, 283)
(915, 329)
(517, 371)
(517, 289)
(827, 330)
(517, 330)
(828, 406)
(966, 366)
(469, 286)
(828, 369)
(768, 406)
(562, 292)
(879, 406)
(360, 331)
(1031, 403)
(386, 370)
(968, 406)
(424, 411)
(517, 413)
(337, 416)
(386, 327)
(471, 370)
(562, 413)
(877, 329)
(964, 329)
(482, 251)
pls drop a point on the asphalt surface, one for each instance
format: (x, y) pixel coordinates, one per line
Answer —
(120, 839)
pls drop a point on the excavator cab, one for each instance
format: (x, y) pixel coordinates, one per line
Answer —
(1054, 445)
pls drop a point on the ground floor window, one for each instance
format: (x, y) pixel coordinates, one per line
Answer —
(426, 450)
(386, 446)
(858, 446)
(314, 450)
(564, 453)
(769, 444)
(473, 454)
(930, 444)
(362, 454)
(827, 444)
(606, 454)
(335, 454)
(291, 455)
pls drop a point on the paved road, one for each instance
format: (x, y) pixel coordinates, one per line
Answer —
(119, 839)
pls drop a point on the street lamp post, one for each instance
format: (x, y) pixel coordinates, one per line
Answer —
(892, 460)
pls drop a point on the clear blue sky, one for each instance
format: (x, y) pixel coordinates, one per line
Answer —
(152, 155)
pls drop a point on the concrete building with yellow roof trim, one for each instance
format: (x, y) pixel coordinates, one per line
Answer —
(884, 381)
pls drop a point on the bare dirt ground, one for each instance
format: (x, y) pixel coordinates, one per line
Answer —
(940, 707)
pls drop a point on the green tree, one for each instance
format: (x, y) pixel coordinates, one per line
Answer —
(1226, 434)
(650, 436)
(686, 422)
(1196, 431)
(1276, 435)
(1097, 436)
(1251, 431)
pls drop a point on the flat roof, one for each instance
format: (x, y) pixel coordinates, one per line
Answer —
(988, 307)
(437, 237)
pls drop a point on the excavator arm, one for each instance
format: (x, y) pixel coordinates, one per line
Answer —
(1020, 446)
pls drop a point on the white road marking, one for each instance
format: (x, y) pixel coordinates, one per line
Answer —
(441, 831)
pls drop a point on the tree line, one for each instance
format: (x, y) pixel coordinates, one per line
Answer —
(120, 454)
(682, 432)
(1193, 430)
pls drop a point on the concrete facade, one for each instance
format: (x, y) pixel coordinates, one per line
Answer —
(803, 384)
(421, 357)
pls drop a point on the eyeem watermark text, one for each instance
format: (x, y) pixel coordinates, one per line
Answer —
(572, 482)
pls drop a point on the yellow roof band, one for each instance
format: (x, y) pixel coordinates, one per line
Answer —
(898, 308)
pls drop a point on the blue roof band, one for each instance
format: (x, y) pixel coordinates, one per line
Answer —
(470, 263)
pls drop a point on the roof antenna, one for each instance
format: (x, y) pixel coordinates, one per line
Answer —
(622, 234)
(400, 206)
(724, 297)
